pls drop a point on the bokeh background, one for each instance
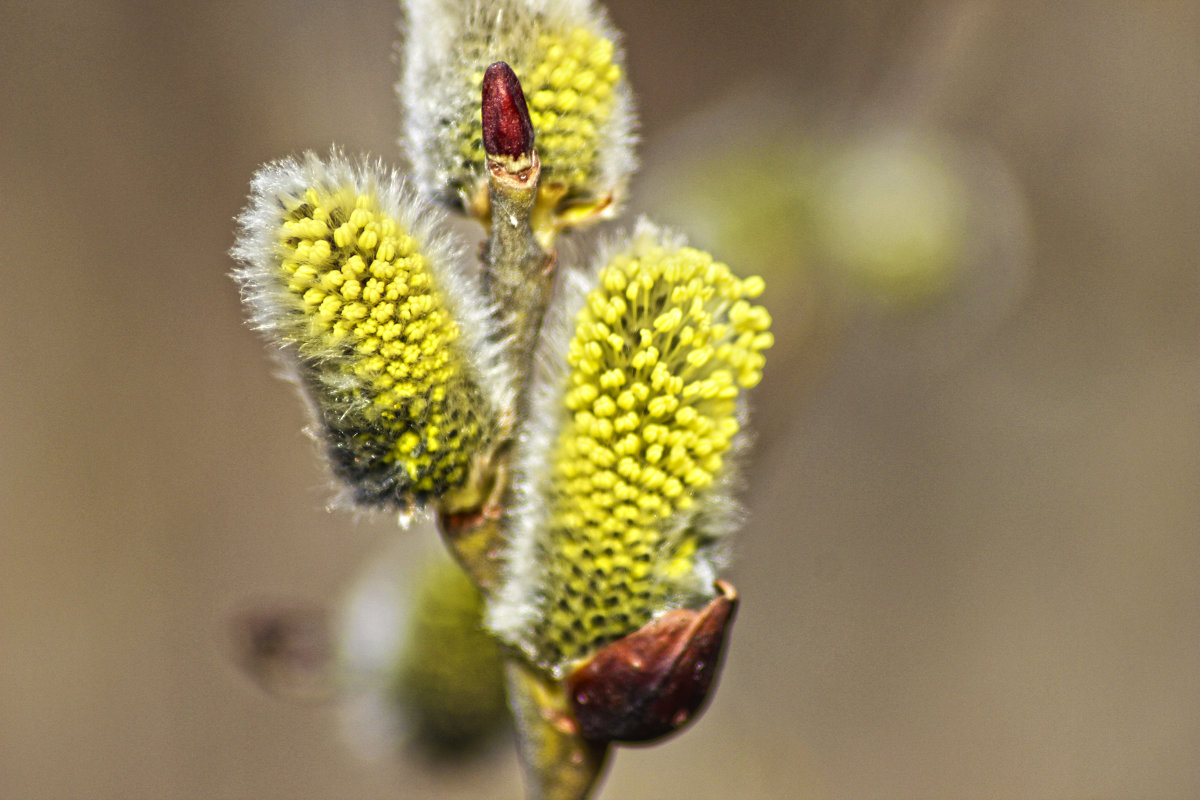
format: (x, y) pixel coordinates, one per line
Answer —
(971, 559)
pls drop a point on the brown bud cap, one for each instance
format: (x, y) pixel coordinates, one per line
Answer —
(653, 681)
(507, 128)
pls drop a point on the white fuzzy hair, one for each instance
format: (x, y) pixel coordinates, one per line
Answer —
(519, 602)
(447, 40)
(279, 186)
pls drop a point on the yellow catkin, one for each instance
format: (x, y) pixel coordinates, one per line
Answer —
(381, 345)
(569, 79)
(661, 350)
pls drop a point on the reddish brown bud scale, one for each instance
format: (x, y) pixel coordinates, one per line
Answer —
(653, 681)
(507, 128)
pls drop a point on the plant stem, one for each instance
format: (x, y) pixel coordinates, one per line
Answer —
(559, 764)
(518, 276)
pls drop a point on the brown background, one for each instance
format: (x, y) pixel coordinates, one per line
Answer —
(964, 580)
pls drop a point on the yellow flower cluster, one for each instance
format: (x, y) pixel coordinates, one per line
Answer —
(569, 80)
(381, 344)
(661, 351)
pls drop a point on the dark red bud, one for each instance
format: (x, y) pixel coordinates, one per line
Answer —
(653, 681)
(507, 128)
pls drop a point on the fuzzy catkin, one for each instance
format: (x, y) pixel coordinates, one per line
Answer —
(341, 268)
(571, 68)
(626, 506)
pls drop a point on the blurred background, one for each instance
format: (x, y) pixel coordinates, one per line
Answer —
(969, 567)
